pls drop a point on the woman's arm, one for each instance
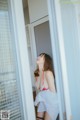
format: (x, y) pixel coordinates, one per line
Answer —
(37, 83)
(50, 80)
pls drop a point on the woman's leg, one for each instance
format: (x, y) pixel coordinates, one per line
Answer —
(40, 115)
(47, 117)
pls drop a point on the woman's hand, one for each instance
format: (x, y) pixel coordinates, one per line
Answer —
(37, 83)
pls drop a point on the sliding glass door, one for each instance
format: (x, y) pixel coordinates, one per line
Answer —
(10, 95)
(70, 15)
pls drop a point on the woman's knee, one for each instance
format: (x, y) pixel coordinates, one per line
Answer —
(40, 116)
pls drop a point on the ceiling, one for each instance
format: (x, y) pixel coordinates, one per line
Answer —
(25, 3)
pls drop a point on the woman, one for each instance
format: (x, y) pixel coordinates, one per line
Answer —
(46, 99)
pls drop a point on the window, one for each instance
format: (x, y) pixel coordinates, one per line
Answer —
(10, 98)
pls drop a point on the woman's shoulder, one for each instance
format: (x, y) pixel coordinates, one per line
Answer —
(48, 73)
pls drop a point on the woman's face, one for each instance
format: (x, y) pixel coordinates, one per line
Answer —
(40, 59)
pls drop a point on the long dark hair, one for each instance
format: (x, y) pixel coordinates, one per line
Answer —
(48, 65)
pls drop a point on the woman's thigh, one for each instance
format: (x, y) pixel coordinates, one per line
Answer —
(40, 115)
(46, 117)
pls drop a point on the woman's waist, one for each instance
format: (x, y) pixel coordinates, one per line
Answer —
(48, 92)
(44, 89)
(48, 95)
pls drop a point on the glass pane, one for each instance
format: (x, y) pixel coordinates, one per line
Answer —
(70, 13)
(10, 98)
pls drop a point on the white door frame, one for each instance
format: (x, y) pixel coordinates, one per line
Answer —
(22, 58)
(54, 5)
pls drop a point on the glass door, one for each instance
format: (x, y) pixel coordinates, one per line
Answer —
(10, 95)
(70, 15)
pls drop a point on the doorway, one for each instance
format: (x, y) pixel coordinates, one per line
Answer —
(41, 42)
(38, 41)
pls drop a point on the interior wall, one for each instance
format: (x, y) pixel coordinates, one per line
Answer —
(42, 38)
(37, 9)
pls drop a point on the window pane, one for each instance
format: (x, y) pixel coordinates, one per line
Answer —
(70, 13)
(9, 83)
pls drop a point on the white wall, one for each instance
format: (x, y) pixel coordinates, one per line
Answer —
(72, 49)
(37, 9)
(42, 38)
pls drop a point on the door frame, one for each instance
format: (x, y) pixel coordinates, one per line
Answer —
(23, 59)
(55, 11)
(20, 41)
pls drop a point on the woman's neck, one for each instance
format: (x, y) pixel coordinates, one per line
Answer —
(41, 68)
